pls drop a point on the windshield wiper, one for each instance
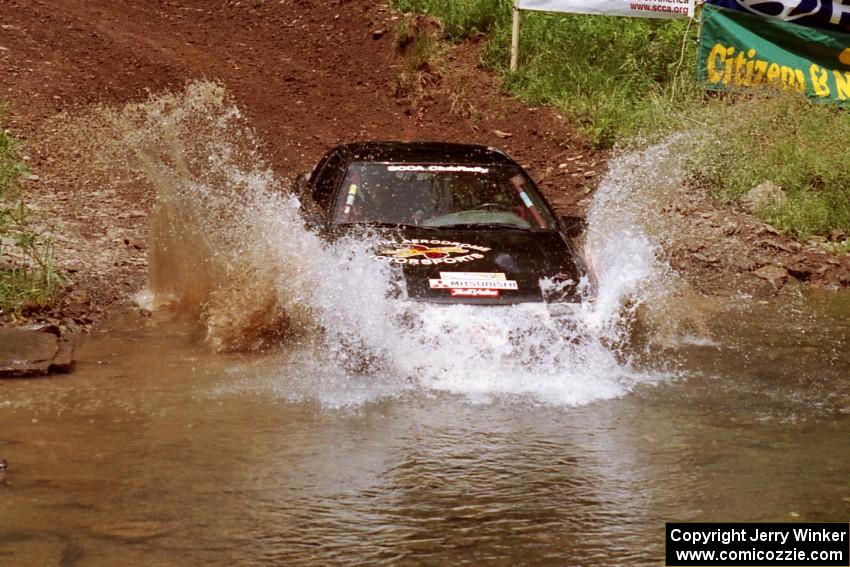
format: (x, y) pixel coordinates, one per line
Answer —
(370, 224)
(484, 225)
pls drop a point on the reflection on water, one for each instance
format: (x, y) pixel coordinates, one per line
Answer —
(463, 444)
(156, 452)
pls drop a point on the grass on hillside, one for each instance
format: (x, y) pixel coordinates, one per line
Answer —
(783, 138)
(460, 18)
(421, 62)
(27, 275)
(614, 77)
(626, 79)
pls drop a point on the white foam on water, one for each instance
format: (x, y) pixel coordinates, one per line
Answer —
(368, 347)
(229, 241)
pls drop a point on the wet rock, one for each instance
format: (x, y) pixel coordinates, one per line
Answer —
(34, 351)
(776, 275)
(132, 215)
(44, 327)
(770, 230)
(793, 288)
(789, 246)
(706, 259)
(745, 263)
(837, 235)
(378, 34)
(801, 270)
(766, 193)
(76, 308)
(78, 296)
(136, 243)
(26, 353)
(692, 244)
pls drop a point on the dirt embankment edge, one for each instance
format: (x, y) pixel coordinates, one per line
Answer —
(308, 75)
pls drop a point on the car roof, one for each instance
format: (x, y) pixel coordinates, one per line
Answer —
(426, 152)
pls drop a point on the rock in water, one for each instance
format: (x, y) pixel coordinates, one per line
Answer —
(776, 275)
(33, 352)
(762, 195)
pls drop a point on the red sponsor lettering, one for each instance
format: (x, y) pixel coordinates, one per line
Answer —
(465, 292)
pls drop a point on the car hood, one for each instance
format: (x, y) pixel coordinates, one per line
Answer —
(481, 266)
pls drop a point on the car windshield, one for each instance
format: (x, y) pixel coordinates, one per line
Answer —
(441, 195)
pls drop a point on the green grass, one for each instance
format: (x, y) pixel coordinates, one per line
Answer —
(614, 77)
(461, 19)
(799, 146)
(840, 248)
(421, 62)
(628, 81)
(10, 166)
(27, 275)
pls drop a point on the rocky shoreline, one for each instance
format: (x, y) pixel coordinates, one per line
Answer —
(34, 350)
(301, 99)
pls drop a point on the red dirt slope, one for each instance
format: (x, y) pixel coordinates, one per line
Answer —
(308, 73)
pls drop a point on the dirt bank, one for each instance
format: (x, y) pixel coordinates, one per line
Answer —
(308, 74)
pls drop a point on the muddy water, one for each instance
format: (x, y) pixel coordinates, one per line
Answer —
(157, 452)
(386, 433)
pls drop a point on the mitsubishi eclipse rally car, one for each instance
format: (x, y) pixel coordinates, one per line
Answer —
(464, 224)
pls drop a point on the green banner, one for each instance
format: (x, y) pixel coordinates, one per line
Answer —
(743, 50)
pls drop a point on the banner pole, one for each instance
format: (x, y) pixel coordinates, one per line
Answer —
(515, 38)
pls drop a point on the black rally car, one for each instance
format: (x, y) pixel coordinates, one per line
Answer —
(464, 223)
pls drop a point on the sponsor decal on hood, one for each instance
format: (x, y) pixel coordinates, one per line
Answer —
(439, 168)
(472, 276)
(460, 292)
(423, 252)
(472, 284)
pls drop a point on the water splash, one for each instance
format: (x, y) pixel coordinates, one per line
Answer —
(228, 243)
(624, 223)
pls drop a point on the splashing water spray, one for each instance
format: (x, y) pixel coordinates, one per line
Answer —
(227, 243)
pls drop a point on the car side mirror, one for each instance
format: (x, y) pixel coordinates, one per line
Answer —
(572, 226)
(299, 186)
(309, 212)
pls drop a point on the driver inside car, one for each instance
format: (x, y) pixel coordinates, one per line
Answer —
(430, 198)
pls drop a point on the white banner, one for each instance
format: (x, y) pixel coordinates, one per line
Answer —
(636, 8)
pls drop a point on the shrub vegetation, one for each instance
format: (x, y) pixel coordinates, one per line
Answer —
(630, 80)
(27, 276)
(784, 138)
(614, 77)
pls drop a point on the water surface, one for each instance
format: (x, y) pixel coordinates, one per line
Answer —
(158, 452)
